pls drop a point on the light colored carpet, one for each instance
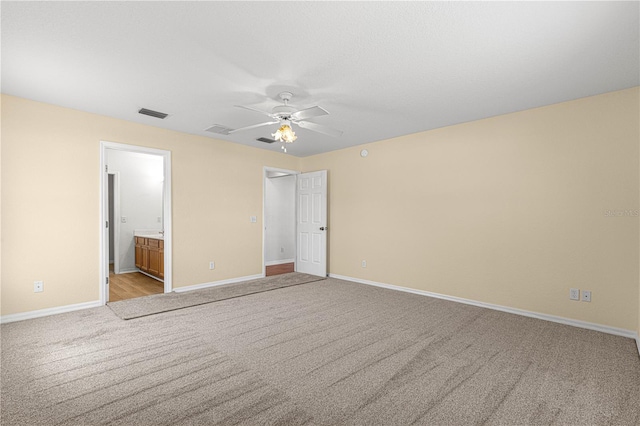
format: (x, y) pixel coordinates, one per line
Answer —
(158, 303)
(326, 353)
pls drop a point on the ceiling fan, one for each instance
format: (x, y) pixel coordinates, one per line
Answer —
(286, 115)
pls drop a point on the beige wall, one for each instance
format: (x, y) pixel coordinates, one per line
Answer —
(509, 210)
(50, 203)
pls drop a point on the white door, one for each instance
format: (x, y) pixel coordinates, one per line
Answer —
(311, 196)
(107, 225)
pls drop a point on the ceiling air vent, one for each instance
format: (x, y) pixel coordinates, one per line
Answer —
(216, 128)
(266, 140)
(151, 113)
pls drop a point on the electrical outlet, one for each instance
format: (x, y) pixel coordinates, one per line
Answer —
(364, 263)
(586, 295)
(574, 294)
(123, 219)
(212, 265)
(253, 219)
(38, 286)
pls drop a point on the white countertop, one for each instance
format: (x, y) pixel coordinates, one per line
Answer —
(156, 235)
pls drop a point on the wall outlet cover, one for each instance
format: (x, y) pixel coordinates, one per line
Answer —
(574, 294)
(38, 286)
(586, 295)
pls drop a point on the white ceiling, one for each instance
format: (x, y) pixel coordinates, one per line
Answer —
(382, 69)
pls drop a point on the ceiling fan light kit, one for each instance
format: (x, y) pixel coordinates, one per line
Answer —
(284, 134)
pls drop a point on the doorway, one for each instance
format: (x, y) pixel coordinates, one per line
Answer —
(279, 221)
(295, 222)
(135, 200)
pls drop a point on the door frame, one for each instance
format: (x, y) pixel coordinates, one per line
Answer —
(265, 171)
(104, 213)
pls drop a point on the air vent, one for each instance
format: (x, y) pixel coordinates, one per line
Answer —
(266, 140)
(216, 128)
(151, 113)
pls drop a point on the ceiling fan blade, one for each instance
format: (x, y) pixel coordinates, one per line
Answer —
(319, 128)
(256, 110)
(314, 111)
(253, 126)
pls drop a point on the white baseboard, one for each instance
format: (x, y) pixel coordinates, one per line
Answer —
(49, 311)
(567, 321)
(69, 308)
(278, 262)
(638, 343)
(217, 283)
(128, 271)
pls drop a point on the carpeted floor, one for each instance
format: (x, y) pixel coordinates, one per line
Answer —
(151, 305)
(327, 352)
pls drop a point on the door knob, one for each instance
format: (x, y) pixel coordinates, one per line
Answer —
(322, 228)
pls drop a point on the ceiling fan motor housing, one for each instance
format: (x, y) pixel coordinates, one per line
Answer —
(283, 111)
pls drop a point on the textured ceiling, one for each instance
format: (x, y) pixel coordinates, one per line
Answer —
(381, 69)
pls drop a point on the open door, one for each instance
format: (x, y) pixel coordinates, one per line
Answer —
(311, 196)
(105, 232)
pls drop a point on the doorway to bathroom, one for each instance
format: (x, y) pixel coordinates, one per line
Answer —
(135, 221)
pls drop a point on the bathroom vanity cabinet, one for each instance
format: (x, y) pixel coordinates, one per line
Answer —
(150, 256)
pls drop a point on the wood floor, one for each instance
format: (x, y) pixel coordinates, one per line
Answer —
(283, 268)
(128, 286)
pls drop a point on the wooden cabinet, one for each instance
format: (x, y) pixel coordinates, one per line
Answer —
(154, 257)
(161, 267)
(150, 256)
(139, 244)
